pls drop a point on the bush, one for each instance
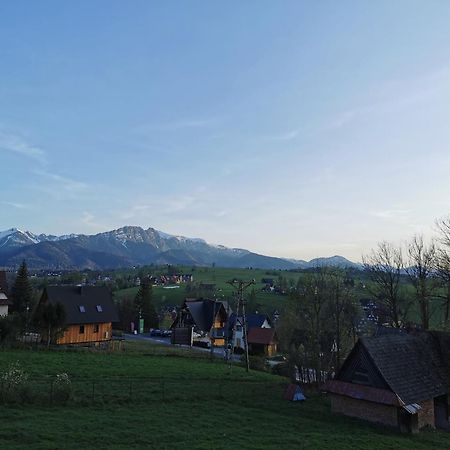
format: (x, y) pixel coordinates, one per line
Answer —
(62, 388)
(256, 362)
(14, 383)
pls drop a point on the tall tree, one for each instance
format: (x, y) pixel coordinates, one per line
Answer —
(317, 325)
(384, 266)
(144, 304)
(51, 319)
(22, 292)
(443, 264)
(420, 269)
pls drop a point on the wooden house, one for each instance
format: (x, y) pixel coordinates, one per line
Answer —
(262, 341)
(90, 312)
(398, 380)
(206, 317)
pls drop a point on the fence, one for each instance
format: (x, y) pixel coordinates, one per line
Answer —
(45, 391)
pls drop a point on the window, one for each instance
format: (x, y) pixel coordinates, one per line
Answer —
(81, 329)
(95, 327)
(238, 328)
(99, 308)
(82, 308)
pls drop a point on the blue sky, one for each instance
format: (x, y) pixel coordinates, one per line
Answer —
(292, 128)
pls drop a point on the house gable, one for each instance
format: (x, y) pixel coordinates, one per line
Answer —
(359, 368)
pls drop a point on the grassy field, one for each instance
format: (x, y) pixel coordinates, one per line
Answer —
(204, 405)
(267, 302)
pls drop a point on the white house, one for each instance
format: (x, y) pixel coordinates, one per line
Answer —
(4, 304)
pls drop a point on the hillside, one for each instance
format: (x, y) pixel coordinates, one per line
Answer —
(179, 399)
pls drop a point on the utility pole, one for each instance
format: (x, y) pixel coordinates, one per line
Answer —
(240, 286)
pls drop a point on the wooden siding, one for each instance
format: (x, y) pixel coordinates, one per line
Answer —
(73, 336)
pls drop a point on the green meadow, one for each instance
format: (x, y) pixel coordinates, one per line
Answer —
(179, 398)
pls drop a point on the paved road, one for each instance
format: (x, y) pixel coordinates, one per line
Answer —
(218, 351)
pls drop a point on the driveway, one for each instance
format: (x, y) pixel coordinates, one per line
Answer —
(218, 351)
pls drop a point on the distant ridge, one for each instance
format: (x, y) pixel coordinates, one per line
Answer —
(131, 246)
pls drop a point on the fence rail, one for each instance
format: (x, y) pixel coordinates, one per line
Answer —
(46, 391)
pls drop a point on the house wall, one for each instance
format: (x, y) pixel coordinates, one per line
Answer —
(3, 310)
(426, 414)
(72, 334)
(370, 411)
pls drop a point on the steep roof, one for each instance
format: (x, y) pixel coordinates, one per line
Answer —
(415, 366)
(95, 301)
(253, 320)
(265, 336)
(204, 311)
(4, 299)
(256, 320)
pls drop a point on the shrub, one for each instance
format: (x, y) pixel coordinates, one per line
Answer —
(62, 388)
(14, 383)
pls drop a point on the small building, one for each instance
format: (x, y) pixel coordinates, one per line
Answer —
(206, 317)
(4, 302)
(253, 321)
(262, 341)
(397, 380)
(90, 312)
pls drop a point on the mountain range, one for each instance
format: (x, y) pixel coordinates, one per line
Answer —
(132, 246)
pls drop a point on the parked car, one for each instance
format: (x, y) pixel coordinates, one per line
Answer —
(276, 360)
(155, 332)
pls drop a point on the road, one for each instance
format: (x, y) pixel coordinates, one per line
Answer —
(218, 351)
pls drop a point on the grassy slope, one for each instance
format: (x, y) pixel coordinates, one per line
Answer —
(219, 276)
(247, 416)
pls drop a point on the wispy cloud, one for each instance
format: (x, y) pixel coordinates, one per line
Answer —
(287, 136)
(391, 214)
(16, 205)
(88, 220)
(396, 95)
(61, 182)
(181, 124)
(17, 144)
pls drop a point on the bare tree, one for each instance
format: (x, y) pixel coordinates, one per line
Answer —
(442, 263)
(384, 266)
(420, 269)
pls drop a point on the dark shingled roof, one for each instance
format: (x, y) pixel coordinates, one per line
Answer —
(415, 366)
(72, 297)
(203, 312)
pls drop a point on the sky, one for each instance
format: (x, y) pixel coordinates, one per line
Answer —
(293, 128)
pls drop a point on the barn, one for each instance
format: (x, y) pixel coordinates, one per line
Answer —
(399, 380)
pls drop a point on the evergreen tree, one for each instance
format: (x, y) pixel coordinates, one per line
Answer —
(22, 292)
(144, 305)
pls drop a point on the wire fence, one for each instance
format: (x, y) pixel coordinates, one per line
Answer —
(46, 391)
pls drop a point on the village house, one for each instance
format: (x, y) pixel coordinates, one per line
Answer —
(262, 341)
(90, 312)
(206, 318)
(253, 321)
(399, 380)
(4, 302)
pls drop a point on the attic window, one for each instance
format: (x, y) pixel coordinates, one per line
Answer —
(82, 308)
(99, 308)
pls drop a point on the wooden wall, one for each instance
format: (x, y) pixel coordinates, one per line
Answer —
(72, 334)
